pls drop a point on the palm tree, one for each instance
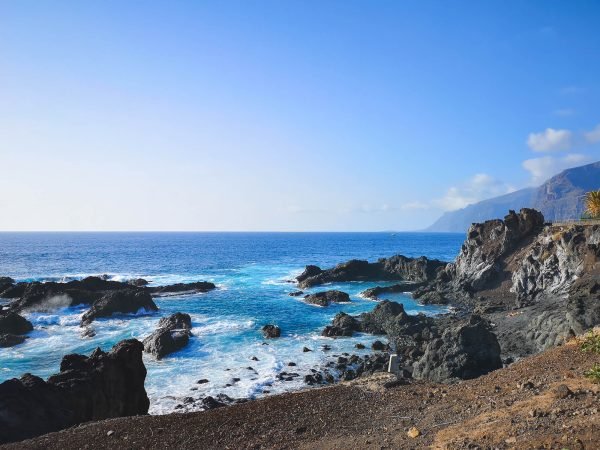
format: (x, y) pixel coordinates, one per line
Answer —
(592, 204)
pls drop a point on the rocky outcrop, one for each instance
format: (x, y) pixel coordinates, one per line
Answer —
(36, 296)
(172, 334)
(482, 254)
(101, 386)
(12, 328)
(271, 331)
(555, 260)
(327, 297)
(122, 301)
(465, 351)
(5, 283)
(395, 268)
(342, 325)
(182, 288)
(12, 323)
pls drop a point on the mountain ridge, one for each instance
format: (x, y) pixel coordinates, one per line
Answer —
(559, 198)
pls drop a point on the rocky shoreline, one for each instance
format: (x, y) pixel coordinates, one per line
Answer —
(518, 286)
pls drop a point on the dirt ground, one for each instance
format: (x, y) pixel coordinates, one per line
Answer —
(540, 402)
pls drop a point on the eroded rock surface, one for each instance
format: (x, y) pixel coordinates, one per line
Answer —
(172, 334)
(101, 386)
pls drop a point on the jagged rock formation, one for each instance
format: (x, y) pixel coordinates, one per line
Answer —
(555, 260)
(437, 349)
(482, 254)
(121, 301)
(342, 325)
(327, 297)
(464, 352)
(537, 284)
(100, 386)
(394, 268)
(172, 334)
(36, 296)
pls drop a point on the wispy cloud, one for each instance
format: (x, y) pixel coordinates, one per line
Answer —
(415, 205)
(549, 140)
(545, 167)
(479, 187)
(594, 135)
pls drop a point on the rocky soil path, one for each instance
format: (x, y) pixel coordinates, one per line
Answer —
(543, 401)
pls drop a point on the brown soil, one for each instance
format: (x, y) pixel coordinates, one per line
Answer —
(524, 406)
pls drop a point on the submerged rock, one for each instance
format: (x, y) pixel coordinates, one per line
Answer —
(101, 386)
(271, 331)
(121, 301)
(10, 340)
(173, 333)
(377, 291)
(327, 297)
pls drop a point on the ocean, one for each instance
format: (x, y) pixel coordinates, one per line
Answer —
(252, 272)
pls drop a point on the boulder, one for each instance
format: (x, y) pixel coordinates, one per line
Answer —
(465, 351)
(327, 297)
(12, 323)
(173, 333)
(271, 331)
(296, 293)
(121, 301)
(101, 386)
(378, 320)
(378, 346)
(342, 325)
(138, 282)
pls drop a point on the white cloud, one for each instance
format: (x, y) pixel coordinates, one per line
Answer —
(545, 167)
(594, 135)
(479, 187)
(415, 205)
(549, 140)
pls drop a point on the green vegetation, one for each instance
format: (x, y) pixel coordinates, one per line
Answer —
(591, 342)
(592, 204)
(594, 373)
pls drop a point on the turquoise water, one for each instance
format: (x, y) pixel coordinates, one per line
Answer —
(252, 272)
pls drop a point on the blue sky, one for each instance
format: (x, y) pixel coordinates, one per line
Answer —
(287, 115)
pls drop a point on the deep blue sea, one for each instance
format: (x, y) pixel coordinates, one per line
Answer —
(252, 272)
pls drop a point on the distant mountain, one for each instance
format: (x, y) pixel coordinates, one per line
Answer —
(559, 198)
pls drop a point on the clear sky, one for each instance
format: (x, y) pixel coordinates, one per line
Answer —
(287, 115)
